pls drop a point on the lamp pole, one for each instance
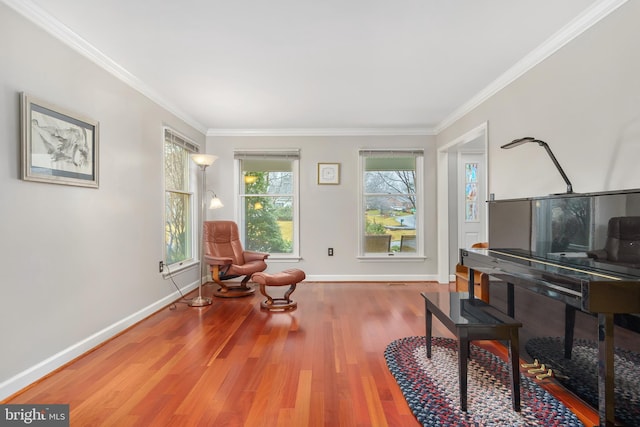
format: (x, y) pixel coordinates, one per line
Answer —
(202, 160)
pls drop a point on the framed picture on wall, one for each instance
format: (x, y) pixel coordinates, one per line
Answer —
(329, 173)
(58, 146)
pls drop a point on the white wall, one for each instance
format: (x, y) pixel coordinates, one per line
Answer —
(584, 101)
(78, 264)
(328, 213)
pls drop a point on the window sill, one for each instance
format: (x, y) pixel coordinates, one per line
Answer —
(179, 268)
(284, 259)
(384, 257)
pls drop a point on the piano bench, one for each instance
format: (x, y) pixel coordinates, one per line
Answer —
(481, 280)
(473, 319)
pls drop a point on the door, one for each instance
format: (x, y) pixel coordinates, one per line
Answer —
(472, 198)
(451, 218)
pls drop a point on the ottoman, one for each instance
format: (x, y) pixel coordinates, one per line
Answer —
(290, 277)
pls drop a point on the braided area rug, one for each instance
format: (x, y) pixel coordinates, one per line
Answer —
(580, 373)
(430, 387)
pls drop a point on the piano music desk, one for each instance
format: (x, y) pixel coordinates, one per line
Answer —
(472, 319)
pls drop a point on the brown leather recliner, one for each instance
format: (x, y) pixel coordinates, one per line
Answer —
(623, 242)
(224, 254)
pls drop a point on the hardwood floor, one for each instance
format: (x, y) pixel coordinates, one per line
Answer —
(231, 364)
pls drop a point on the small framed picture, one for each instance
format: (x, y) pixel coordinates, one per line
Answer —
(58, 146)
(329, 173)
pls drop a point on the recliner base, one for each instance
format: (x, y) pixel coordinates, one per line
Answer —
(233, 291)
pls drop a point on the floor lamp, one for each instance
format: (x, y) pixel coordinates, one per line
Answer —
(204, 161)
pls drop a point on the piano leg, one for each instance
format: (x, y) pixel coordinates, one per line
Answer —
(606, 403)
(510, 300)
(514, 361)
(569, 326)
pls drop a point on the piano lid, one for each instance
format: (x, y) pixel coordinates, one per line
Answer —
(596, 234)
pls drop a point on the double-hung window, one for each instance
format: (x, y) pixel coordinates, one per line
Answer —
(268, 201)
(391, 203)
(178, 212)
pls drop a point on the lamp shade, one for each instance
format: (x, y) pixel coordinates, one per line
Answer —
(203, 159)
(519, 141)
(216, 203)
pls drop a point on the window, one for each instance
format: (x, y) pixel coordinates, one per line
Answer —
(178, 213)
(268, 201)
(391, 204)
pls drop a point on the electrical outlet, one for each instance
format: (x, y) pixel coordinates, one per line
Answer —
(330, 252)
(161, 266)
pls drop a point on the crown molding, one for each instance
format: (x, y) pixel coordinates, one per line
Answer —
(580, 24)
(573, 29)
(323, 132)
(54, 27)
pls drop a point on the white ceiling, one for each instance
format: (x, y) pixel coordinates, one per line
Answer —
(250, 65)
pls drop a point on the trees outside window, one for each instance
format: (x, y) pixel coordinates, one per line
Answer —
(390, 183)
(269, 202)
(178, 212)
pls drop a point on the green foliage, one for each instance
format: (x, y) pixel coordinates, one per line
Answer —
(284, 213)
(177, 215)
(373, 228)
(263, 233)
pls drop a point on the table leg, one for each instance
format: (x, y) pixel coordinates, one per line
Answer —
(463, 355)
(429, 324)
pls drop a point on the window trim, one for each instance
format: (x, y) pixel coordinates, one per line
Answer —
(419, 155)
(290, 154)
(191, 147)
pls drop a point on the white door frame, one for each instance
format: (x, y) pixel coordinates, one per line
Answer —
(480, 131)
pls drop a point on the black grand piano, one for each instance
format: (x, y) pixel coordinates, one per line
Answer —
(580, 252)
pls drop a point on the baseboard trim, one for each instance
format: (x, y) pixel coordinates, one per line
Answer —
(29, 376)
(373, 278)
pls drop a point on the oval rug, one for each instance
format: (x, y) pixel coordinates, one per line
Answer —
(430, 387)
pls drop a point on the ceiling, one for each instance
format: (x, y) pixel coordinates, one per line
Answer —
(250, 65)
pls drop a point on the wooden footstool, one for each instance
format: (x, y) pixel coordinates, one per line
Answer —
(290, 277)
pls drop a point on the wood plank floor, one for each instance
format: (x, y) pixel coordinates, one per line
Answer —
(231, 364)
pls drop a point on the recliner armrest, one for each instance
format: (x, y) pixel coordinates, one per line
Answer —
(216, 260)
(254, 256)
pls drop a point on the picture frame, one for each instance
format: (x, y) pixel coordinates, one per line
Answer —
(328, 173)
(58, 146)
